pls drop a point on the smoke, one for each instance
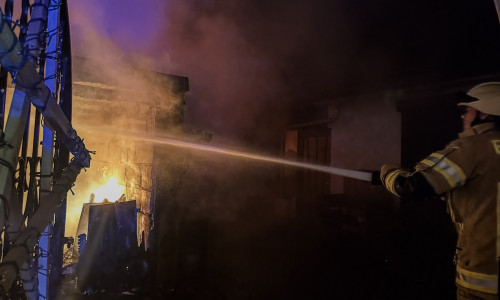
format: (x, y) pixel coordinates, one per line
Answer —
(130, 26)
(114, 88)
(250, 62)
(236, 87)
(247, 63)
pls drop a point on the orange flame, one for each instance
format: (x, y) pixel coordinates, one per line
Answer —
(111, 191)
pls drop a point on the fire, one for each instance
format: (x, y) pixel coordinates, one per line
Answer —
(112, 191)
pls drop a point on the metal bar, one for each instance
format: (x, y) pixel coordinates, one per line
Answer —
(29, 274)
(9, 8)
(25, 6)
(24, 147)
(13, 133)
(36, 28)
(62, 157)
(32, 197)
(44, 263)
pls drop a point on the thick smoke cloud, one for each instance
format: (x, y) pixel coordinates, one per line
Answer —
(246, 61)
(249, 62)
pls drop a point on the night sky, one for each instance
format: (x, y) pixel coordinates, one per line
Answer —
(250, 63)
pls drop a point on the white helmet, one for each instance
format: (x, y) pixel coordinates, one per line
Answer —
(487, 97)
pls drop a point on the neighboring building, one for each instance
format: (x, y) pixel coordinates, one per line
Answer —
(394, 243)
(357, 133)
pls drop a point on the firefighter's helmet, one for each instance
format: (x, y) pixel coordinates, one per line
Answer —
(486, 98)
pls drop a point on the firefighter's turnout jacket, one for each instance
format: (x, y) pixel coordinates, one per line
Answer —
(468, 169)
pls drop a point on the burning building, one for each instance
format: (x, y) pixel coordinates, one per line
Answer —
(117, 113)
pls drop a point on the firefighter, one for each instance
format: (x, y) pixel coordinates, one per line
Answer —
(467, 172)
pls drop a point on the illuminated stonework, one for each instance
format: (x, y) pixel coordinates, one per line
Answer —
(111, 109)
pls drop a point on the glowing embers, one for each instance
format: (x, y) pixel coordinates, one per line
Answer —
(110, 192)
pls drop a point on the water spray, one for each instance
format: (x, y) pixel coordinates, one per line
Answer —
(172, 141)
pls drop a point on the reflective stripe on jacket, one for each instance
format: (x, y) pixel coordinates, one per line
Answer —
(477, 281)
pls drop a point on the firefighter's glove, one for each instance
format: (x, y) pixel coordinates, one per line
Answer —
(388, 175)
(385, 170)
